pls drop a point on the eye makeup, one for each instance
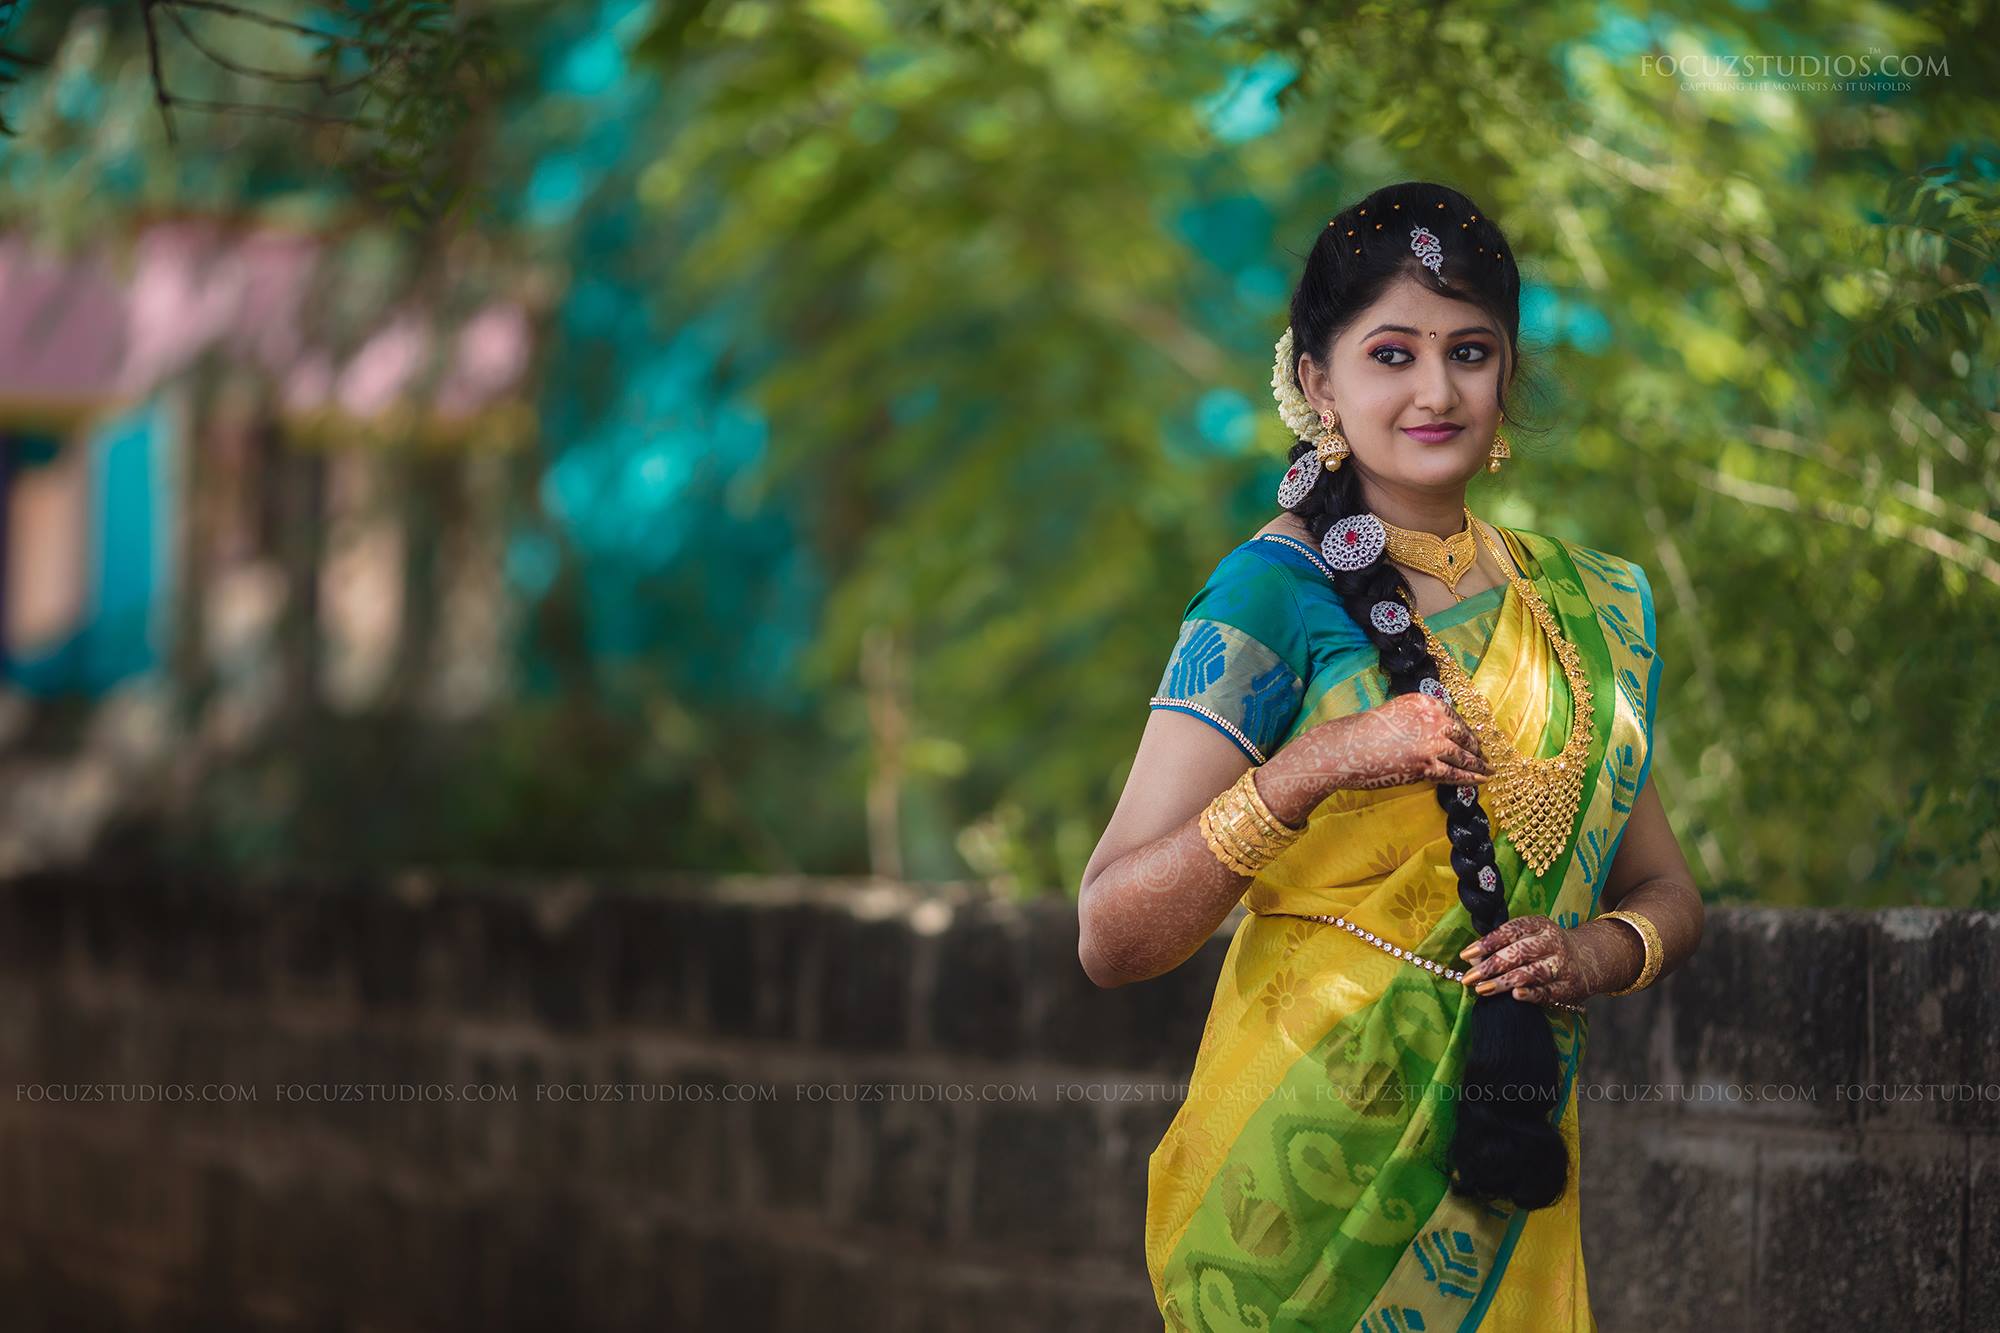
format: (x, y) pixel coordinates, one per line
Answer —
(1485, 353)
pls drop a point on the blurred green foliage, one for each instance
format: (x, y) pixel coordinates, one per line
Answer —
(1003, 281)
(1018, 270)
(386, 96)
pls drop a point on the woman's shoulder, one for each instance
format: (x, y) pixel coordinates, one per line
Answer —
(1248, 595)
(1274, 558)
(1271, 586)
(1285, 545)
(1282, 559)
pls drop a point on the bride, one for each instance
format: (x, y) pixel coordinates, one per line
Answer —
(1414, 745)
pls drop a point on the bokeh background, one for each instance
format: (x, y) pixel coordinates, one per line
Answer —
(758, 437)
(578, 582)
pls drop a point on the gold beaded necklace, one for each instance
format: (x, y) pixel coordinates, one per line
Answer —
(1534, 800)
(1446, 559)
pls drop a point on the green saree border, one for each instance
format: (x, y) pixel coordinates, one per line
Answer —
(1414, 1288)
(1604, 571)
(1561, 586)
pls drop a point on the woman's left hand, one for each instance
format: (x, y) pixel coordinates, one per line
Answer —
(1532, 957)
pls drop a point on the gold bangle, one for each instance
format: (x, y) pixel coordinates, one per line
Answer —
(1649, 936)
(1251, 822)
(1242, 831)
(1226, 849)
(1279, 830)
(1240, 825)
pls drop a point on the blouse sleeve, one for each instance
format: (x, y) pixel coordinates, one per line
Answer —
(1240, 661)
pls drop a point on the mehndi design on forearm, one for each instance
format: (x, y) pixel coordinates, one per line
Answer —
(1410, 738)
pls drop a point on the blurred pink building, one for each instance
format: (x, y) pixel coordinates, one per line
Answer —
(154, 384)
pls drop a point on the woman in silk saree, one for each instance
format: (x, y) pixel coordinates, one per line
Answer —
(1302, 1183)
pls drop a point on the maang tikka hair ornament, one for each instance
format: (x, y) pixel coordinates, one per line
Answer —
(1427, 248)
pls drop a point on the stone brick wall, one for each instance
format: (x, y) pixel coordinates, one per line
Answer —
(827, 1105)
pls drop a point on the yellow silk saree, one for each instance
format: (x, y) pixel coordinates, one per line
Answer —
(1301, 1185)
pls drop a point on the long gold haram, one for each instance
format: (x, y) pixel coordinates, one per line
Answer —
(1534, 800)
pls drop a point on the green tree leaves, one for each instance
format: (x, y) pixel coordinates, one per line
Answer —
(1787, 381)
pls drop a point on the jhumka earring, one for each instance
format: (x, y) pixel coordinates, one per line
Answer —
(1499, 450)
(1329, 443)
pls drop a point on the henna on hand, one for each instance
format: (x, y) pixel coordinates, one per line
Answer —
(1410, 738)
(1536, 960)
(1153, 908)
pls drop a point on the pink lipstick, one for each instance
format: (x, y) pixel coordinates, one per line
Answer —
(1437, 434)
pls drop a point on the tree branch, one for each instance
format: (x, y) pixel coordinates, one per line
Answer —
(160, 93)
(327, 87)
(1853, 515)
(1784, 441)
(252, 16)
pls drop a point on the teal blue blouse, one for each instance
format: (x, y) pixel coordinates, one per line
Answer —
(1267, 622)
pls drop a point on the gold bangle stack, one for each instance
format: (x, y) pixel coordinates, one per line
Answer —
(1242, 831)
(1649, 935)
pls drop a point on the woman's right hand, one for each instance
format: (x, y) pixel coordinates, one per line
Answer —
(1410, 738)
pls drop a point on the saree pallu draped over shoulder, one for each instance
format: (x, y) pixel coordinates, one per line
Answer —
(1302, 1185)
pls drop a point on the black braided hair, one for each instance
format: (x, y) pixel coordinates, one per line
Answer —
(1504, 1145)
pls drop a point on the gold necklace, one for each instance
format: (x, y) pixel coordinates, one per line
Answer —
(1447, 559)
(1534, 800)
